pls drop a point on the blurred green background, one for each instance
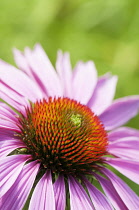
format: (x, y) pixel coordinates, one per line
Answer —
(106, 32)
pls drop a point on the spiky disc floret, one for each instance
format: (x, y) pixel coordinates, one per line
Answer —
(64, 135)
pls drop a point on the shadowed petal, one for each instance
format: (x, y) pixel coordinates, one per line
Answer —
(120, 112)
(43, 195)
(130, 199)
(103, 94)
(14, 95)
(128, 168)
(17, 195)
(6, 134)
(12, 102)
(111, 193)
(8, 146)
(60, 195)
(64, 70)
(11, 167)
(7, 113)
(127, 148)
(98, 199)
(122, 132)
(84, 81)
(78, 197)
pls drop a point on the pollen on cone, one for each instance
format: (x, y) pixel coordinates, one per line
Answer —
(64, 135)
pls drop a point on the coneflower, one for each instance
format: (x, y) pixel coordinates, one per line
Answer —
(60, 131)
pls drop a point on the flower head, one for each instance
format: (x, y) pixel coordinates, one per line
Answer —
(61, 132)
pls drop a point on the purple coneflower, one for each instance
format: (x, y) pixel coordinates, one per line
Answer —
(60, 134)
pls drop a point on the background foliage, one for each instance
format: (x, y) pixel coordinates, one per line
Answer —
(106, 32)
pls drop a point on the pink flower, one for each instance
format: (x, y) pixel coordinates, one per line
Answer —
(61, 132)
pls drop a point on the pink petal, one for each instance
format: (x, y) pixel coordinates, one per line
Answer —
(84, 81)
(14, 103)
(5, 140)
(78, 197)
(103, 94)
(111, 193)
(43, 71)
(7, 113)
(128, 168)
(11, 167)
(122, 132)
(17, 195)
(98, 199)
(8, 125)
(120, 112)
(60, 195)
(64, 70)
(21, 61)
(6, 134)
(19, 81)
(13, 94)
(130, 199)
(7, 150)
(127, 147)
(43, 195)
(23, 64)
(8, 146)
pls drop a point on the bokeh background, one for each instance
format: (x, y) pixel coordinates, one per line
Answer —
(106, 32)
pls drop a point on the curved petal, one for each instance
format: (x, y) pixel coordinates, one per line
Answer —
(7, 150)
(8, 146)
(128, 168)
(43, 71)
(12, 102)
(60, 195)
(111, 193)
(6, 134)
(17, 195)
(122, 132)
(8, 125)
(98, 199)
(127, 148)
(78, 197)
(11, 167)
(43, 195)
(130, 199)
(103, 94)
(120, 112)
(7, 113)
(84, 81)
(64, 70)
(14, 95)
(19, 80)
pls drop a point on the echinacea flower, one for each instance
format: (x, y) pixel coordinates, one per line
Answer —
(61, 133)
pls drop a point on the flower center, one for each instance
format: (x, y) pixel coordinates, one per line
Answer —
(64, 135)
